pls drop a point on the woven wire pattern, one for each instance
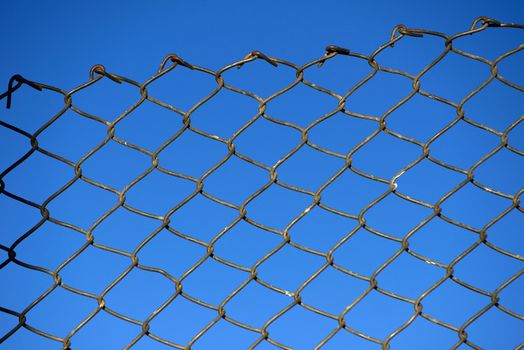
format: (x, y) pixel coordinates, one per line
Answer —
(172, 62)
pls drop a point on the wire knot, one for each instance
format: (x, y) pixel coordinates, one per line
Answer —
(337, 49)
(100, 69)
(258, 54)
(176, 59)
(403, 30)
(485, 22)
(333, 49)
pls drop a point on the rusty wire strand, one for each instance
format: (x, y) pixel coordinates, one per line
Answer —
(98, 72)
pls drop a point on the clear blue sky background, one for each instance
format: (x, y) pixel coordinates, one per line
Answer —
(58, 43)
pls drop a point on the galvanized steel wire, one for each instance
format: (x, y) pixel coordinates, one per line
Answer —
(172, 62)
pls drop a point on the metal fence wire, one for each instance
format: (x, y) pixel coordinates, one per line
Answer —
(271, 332)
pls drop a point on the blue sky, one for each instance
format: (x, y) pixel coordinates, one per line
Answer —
(58, 44)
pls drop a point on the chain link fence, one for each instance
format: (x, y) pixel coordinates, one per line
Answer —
(297, 309)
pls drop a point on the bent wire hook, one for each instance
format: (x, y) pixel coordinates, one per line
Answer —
(12, 88)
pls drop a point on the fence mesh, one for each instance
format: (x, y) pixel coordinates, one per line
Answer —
(272, 331)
